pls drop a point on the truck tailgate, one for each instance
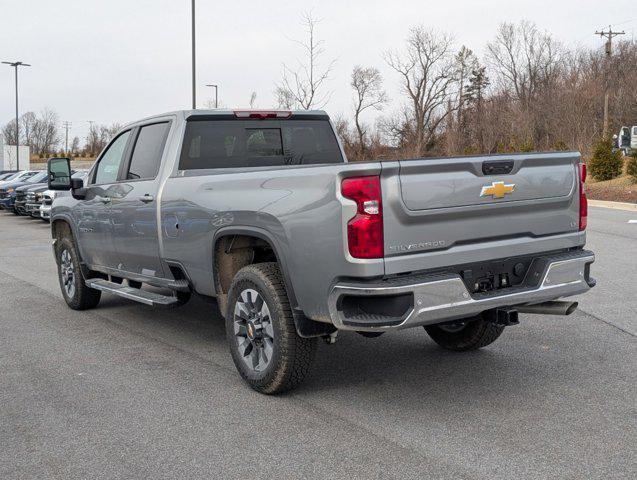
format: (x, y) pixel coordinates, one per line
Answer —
(437, 205)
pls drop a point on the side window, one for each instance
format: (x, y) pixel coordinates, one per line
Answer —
(109, 164)
(147, 152)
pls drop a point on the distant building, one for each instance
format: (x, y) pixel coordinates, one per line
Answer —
(8, 160)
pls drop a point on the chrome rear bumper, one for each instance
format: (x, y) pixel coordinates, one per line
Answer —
(444, 297)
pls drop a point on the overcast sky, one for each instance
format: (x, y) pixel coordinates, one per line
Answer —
(120, 60)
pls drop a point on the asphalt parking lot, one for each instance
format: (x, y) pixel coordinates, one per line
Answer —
(127, 391)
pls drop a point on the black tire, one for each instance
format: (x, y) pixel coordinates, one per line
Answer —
(476, 333)
(80, 297)
(290, 355)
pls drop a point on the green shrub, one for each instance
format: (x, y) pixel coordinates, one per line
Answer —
(527, 146)
(605, 164)
(560, 146)
(632, 166)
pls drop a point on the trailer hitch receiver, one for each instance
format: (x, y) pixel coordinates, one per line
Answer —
(505, 317)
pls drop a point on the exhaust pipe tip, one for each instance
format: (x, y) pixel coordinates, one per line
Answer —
(555, 307)
(571, 308)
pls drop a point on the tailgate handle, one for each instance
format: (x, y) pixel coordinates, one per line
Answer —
(499, 167)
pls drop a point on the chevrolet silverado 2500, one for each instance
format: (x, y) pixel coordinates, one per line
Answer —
(261, 210)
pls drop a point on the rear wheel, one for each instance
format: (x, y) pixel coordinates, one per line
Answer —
(266, 349)
(464, 335)
(74, 290)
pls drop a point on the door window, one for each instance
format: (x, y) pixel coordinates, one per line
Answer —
(109, 164)
(149, 146)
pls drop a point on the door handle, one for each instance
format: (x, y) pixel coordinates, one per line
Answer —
(105, 199)
(146, 198)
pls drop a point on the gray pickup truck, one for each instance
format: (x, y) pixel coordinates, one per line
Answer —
(261, 210)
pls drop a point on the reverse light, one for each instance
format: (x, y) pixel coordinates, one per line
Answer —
(365, 229)
(583, 201)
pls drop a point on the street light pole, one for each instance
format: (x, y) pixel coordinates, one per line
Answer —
(194, 86)
(216, 94)
(17, 125)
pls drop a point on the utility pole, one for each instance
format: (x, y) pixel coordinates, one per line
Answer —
(216, 94)
(17, 122)
(609, 52)
(66, 142)
(194, 81)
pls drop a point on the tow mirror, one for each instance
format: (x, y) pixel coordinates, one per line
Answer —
(59, 173)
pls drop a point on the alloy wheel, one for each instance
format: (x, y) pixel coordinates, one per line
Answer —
(67, 271)
(253, 330)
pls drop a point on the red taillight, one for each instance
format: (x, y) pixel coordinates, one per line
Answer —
(261, 114)
(583, 201)
(365, 230)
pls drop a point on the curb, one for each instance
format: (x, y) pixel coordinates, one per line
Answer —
(631, 207)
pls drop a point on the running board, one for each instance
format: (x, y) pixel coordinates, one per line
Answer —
(141, 296)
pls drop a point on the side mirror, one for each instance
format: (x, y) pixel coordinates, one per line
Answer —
(77, 189)
(59, 173)
(77, 183)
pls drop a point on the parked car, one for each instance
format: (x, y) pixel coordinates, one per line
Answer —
(23, 174)
(26, 196)
(35, 198)
(6, 175)
(49, 195)
(626, 141)
(8, 188)
(261, 210)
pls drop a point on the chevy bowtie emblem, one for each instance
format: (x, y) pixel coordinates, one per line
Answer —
(497, 189)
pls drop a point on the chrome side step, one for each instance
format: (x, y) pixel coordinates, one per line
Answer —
(141, 296)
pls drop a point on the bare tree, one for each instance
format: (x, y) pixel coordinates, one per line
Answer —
(466, 63)
(428, 76)
(46, 134)
(368, 93)
(285, 99)
(98, 137)
(40, 133)
(473, 96)
(524, 59)
(303, 87)
(8, 132)
(75, 145)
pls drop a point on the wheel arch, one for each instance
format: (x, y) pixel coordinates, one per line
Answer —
(262, 235)
(61, 225)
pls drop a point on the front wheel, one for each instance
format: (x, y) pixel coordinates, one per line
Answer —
(266, 349)
(74, 290)
(467, 334)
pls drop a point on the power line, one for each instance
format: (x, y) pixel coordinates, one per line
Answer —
(609, 52)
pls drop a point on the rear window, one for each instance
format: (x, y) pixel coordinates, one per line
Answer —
(239, 143)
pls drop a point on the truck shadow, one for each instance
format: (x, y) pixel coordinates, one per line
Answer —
(396, 366)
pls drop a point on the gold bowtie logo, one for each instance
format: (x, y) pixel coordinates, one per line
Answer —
(497, 189)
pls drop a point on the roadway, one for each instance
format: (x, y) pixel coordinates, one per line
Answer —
(127, 391)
